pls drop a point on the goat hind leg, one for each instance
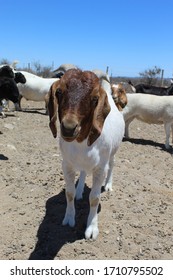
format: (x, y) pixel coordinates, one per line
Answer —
(80, 185)
(127, 123)
(167, 127)
(108, 183)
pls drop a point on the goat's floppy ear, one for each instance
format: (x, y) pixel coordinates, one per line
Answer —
(52, 108)
(100, 113)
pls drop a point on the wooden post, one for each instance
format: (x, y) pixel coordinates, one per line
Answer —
(162, 73)
(107, 69)
(111, 77)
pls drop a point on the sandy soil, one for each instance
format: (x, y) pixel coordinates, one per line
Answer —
(135, 220)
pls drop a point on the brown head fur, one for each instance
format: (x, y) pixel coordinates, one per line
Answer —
(119, 96)
(82, 106)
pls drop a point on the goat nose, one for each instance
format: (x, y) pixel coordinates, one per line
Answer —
(68, 129)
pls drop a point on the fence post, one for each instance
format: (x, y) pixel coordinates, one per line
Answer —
(162, 73)
(107, 69)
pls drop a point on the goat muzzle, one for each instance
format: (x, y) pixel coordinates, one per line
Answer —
(69, 130)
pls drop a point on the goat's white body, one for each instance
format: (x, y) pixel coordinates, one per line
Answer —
(151, 109)
(28, 75)
(96, 159)
(35, 87)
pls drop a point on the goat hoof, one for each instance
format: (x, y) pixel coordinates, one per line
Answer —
(91, 232)
(68, 220)
(108, 187)
(167, 147)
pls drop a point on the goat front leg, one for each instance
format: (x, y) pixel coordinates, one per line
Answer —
(69, 177)
(92, 230)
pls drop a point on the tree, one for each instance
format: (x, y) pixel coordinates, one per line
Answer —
(34, 67)
(37, 67)
(4, 61)
(151, 76)
(44, 71)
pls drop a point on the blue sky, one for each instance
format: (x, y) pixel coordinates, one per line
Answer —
(128, 36)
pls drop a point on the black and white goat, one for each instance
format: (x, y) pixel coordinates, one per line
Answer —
(8, 81)
(143, 88)
(8, 91)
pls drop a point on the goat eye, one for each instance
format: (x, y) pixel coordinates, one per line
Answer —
(58, 92)
(95, 100)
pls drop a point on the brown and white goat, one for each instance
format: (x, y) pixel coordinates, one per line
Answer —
(119, 96)
(91, 131)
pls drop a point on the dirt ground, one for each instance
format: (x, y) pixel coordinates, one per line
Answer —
(135, 219)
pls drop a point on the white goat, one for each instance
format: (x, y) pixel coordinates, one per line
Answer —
(28, 75)
(64, 67)
(36, 87)
(151, 109)
(92, 129)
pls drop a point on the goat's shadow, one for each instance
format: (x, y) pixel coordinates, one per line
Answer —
(34, 111)
(2, 157)
(9, 114)
(51, 234)
(144, 142)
